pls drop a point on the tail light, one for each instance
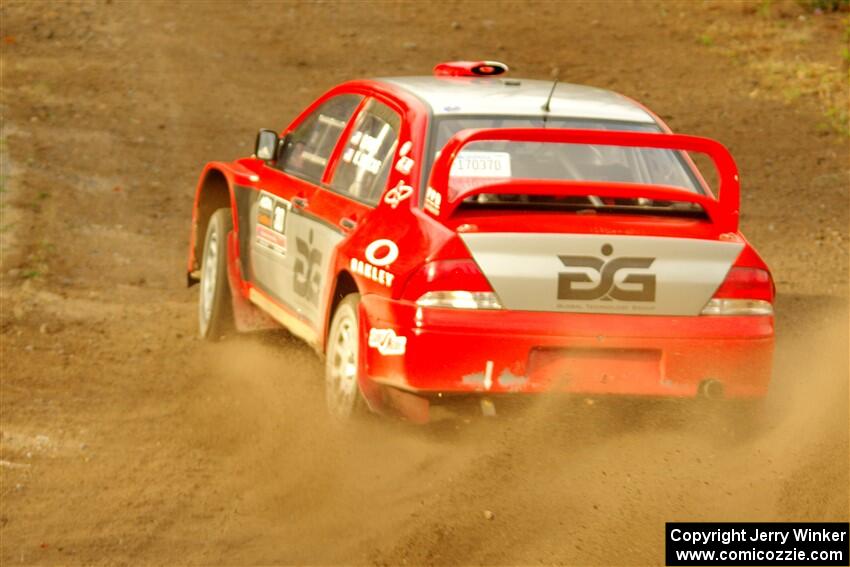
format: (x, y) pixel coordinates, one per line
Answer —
(745, 291)
(453, 284)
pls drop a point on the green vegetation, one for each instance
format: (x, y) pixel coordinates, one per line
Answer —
(37, 264)
(770, 46)
(825, 5)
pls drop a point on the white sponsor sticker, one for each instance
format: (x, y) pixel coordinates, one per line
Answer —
(433, 200)
(271, 223)
(279, 221)
(271, 240)
(404, 163)
(382, 252)
(398, 194)
(362, 151)
(266, 202)
(387, 342)
(481, 164)
(372, 272)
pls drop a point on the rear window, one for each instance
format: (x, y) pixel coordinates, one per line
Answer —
(482, 163)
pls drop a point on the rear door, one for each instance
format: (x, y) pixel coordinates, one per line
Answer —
(352, 186)
(287, 247)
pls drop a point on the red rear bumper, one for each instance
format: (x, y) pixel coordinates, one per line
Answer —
(462, 351)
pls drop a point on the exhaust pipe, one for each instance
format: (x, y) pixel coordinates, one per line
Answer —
(710, 389)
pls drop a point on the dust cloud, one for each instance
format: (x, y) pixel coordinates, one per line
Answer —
(558, 478)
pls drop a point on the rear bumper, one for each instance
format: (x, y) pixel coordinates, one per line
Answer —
(496, 352)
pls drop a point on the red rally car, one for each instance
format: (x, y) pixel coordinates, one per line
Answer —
(468, 233)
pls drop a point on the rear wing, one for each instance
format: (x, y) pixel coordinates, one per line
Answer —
(723, 211)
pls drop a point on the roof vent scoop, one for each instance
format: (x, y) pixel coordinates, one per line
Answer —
(470, 69)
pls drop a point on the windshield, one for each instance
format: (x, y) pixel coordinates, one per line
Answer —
(482, 163)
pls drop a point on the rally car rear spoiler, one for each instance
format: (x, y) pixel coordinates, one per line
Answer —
(723, 211)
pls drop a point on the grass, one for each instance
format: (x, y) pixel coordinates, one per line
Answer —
(845, 51)
(37, 264)
(773, 46)
(824, 5)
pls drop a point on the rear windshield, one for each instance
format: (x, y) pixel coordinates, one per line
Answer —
(481, 163)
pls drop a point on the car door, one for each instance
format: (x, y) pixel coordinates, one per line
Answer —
(351, 188)
(287, 248)
(358, 179)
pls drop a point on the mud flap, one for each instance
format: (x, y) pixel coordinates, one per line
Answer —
(412, 407)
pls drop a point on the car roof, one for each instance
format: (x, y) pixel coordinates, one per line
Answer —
(519, 97)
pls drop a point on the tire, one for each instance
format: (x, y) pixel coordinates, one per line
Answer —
(342, 391)
(215, 307)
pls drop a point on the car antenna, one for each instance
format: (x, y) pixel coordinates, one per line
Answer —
(546, 105)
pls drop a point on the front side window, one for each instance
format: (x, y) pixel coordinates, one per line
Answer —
(308, 147)
(364, 166)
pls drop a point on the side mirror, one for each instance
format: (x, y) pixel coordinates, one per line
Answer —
(266, 146)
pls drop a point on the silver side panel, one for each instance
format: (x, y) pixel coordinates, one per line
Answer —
(291, 256)
(601, 273)
(314, 244)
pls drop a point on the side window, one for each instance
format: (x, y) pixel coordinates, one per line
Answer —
(309, 146)
(365, 163)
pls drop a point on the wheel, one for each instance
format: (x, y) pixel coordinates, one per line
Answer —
(215, 310)
(342, 391)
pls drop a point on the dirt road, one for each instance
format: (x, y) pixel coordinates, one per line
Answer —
(126, 440)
